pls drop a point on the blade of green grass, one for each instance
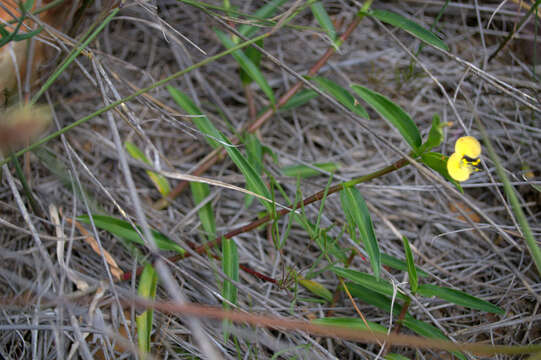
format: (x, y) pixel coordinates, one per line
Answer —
(458, 297)
(124, 230)
(299, 99)
(147, 289)
(230, 267)
(357, 214)
(200, 192)
(398, 264)
(392, 113)
(264, 12)
(510, 192)
(409, 26)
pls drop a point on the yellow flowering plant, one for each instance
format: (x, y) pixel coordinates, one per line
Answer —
(465, 159)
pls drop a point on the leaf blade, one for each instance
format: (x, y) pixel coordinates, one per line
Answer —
(459, 297)
(392, 113)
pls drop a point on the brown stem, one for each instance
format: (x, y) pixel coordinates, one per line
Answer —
(313, 198)
(398, 324)
(213, 157)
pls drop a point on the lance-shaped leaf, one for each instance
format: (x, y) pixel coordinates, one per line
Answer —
(392, 113)
(124, 230)
(343, 96)
(315, 288)
(200, 192)
(350, 323)
(412, 272)
(247, 65)
(263, 12)
(410, 26)
(357, 214)
(304, 171)
(323, 19)
(378, 285)
(459, 297)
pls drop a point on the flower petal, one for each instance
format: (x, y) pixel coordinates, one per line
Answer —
(456, 168)
(469, 146)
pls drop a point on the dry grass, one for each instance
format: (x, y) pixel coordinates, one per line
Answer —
(490, 261)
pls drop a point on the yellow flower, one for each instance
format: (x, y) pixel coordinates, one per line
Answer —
(469, 146)
(465, 159)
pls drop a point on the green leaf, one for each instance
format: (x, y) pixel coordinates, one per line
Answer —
(343, 96)
(398, 264)
(394, 356)
(305, 172)
(124, 230)
(357, 214)
(158, 180)
(458, 297)
(435, 135)
(200, 191)
(384, 303)
(412, 272)
(253, 179)
(254, 152)
(201, 121)
(264, 12)
(255, 56)
(147, 289)
(423, 329)
(316, 288)
(350, 323)
(230, 267)
(299, 99)
(247, 65)
(323, 19)
(409, 26)
(438, 162)
(378, 285)
(392, 113)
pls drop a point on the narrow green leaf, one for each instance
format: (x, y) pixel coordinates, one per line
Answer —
(350, 323)
(409, 26)
(384, 303)
(305, 172)
(423, 329)
(458, 297)
(230, 267)
(438, 162)
(398, 264)
(299, 99)
(201, 121)
(323, 19)
(254, 153)
(255, 56)
(247, 65)
(264, 12)
(158, 180)
(412, 272)
(392, 113)
(253, 179)
(315, 288)
(394, 356)
(342, 95)
(531, 242)
(124, 230)
(147, 289)
(200, 192)
(378, 285)
(354, 207)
